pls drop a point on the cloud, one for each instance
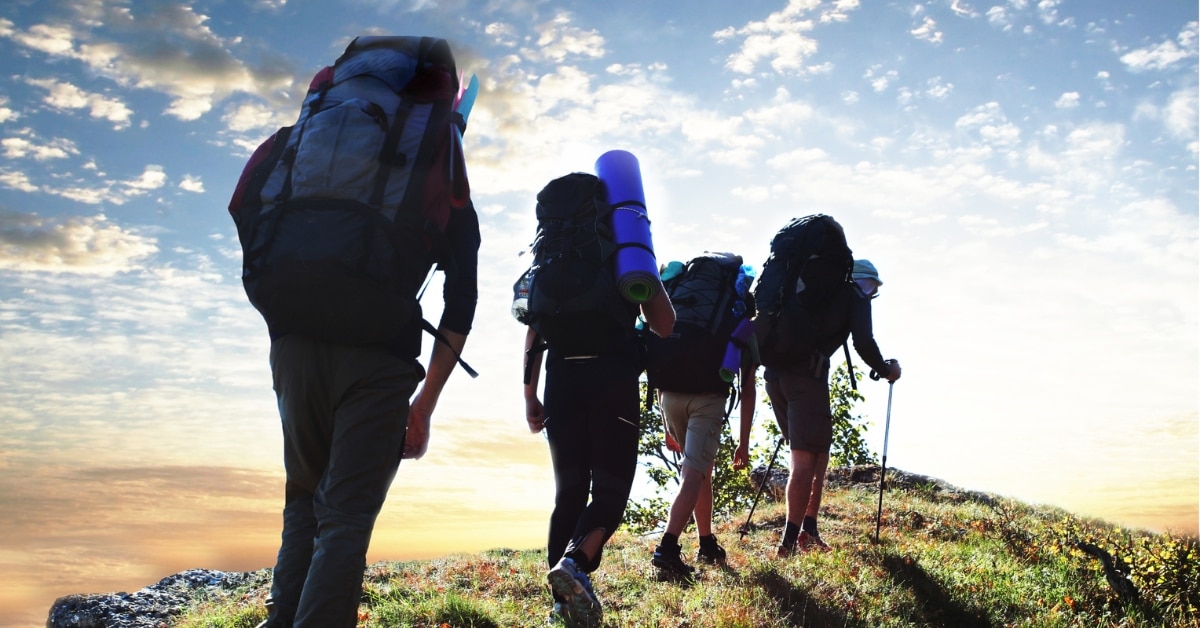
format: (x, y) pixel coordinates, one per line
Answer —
(1165, 54)
(559, 39)
(6, 114)
(16, 180)
(89, 245)
(928, 31)
(165, 47)
(32, 147)
(878, 80)
(1069, 100)
(192, 184)
(67, 96)
(781, 39)
(1179, 115)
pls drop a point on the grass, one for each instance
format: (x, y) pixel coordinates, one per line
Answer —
(942, 559)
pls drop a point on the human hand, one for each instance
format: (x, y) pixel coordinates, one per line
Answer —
(741, 456)
(672, 445)
(416, 438)
(893, 370)
(535, 415)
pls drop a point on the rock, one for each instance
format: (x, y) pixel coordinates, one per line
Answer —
(152, 607)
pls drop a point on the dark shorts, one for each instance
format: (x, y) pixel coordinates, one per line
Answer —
(802, 403)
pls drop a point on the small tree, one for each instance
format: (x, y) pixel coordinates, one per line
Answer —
(849, 445)
(732, 490)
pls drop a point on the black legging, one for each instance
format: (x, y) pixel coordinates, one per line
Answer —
(592, 425)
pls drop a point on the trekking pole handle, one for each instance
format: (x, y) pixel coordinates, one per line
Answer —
(875, 374)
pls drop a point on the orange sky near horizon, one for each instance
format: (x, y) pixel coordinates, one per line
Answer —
(110, 529)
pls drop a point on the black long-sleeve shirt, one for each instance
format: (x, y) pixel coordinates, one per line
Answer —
(460, 291)
(849, 315)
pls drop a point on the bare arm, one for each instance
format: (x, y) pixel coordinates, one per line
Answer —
(741, 456)
(659, 313)
(420, 412)
(535, 413)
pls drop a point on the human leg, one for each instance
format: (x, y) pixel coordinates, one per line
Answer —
(811, 429)
(592, 422)
(340, 465)
(695, 421)
(811, 538)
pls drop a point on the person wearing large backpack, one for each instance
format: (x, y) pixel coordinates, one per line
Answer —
(689, 369)
(799, 396)
(578, 318)
(341, 218)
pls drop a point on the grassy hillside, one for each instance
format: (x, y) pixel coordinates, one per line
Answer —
(944, 558)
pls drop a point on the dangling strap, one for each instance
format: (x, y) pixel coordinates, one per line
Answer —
(538, 346)
(427, 326)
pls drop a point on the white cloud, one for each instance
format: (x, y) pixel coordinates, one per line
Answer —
(152, 178)
(928, 31)
(89, 245)
(961, 8)
(502, 34)
(1069, 100)
(998, 16)
(192, 184)
(17, 181)
(164, 47)
(6, 114)
(781, 39)
(1179, 115)
(559, 39)
(50, 39)
(67, 96)
(1048, 10)
(880, 81)
(30, 146)
(1165, 54)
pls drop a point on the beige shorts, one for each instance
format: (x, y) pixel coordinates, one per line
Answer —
(694, 421)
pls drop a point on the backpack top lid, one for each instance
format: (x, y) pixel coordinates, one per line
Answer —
(568, 195)
(394, 60)
(808, 255)
(573, 302)
(705, 292)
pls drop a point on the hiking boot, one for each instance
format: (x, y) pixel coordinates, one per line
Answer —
(812, 542)
(558, 616)
(668, 560)
(710, 551)
(580, 608)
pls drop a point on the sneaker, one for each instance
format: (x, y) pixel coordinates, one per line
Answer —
(668, 560)
(710, 551)
(784, 551)
(581, 608)
(812, 542)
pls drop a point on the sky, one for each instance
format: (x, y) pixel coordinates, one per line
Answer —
(1023, 174)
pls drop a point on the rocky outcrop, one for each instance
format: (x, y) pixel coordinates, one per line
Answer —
(863, 475)
(154, 606)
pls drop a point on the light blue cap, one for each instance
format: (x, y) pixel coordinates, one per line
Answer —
(864, 269)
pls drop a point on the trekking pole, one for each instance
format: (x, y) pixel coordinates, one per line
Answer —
(761, 485)
(883, 468)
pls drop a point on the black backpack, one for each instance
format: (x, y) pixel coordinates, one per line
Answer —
(709, 304)
(569, 293)
(341, 215)
(809, 263)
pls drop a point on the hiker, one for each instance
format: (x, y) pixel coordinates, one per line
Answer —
(336, 269)
(800, 399)
(591, 412)
(711, 298)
